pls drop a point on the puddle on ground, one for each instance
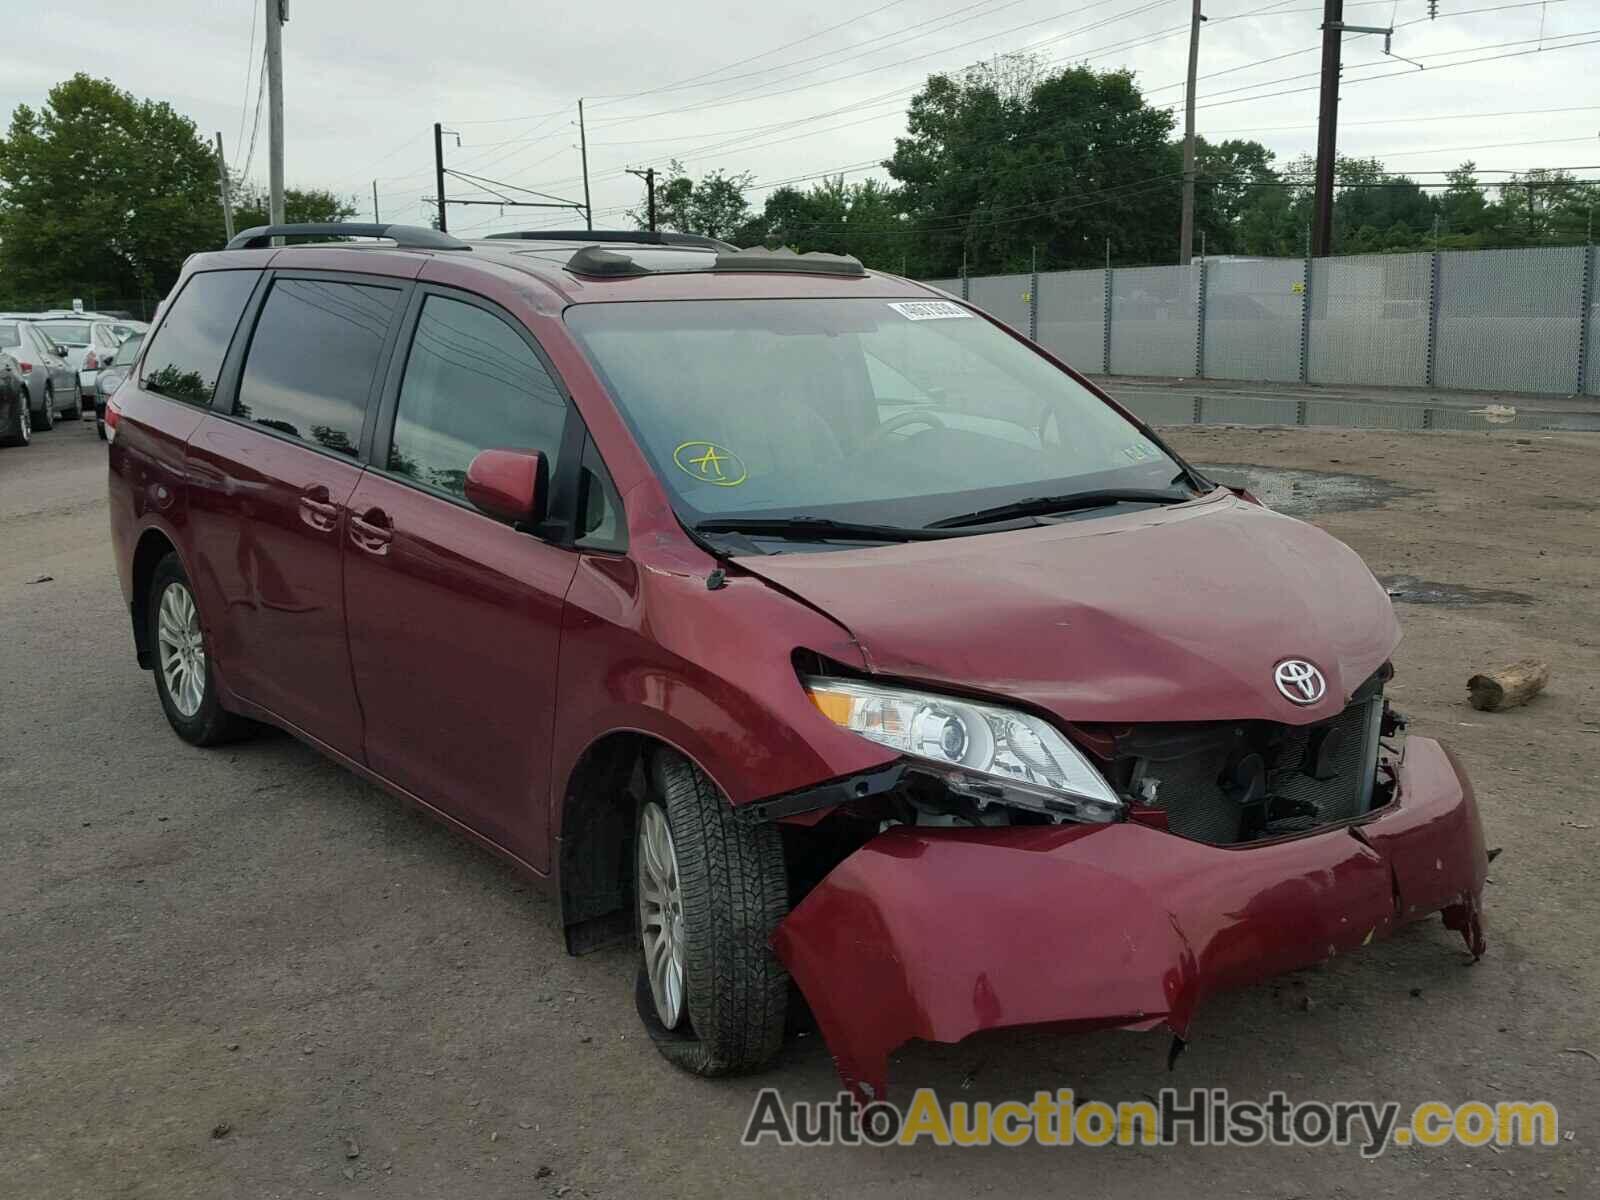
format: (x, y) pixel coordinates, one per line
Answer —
(1299, 493)
(1408, 589)
(1180, 407)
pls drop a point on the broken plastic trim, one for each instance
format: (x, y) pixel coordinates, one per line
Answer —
(823, 795)
(982, 790)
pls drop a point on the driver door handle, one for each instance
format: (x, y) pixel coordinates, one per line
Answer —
(372, 531)
(317, 508)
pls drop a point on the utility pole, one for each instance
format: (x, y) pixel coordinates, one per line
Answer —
(275, 13)
(1327, 128)
(1186, 235)
(583, 149)
(649, 177)
(222, 183)
(375, 217)
(438, 171)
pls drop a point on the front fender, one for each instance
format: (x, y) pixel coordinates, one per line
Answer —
(938, 933)
(649, 649)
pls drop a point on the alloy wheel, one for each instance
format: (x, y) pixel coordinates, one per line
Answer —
(660, 913)
(182, 652)
(25, 422)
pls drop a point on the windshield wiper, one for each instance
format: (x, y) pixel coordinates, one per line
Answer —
(815, 529)
(1044, 506)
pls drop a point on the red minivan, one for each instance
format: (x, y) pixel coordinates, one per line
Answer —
(801, 623)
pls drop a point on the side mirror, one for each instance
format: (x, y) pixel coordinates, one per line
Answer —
(510, 485)
(59, 350)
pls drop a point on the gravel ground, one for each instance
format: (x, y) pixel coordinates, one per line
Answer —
(244, 973)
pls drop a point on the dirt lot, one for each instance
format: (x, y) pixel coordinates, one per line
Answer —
(244, 973)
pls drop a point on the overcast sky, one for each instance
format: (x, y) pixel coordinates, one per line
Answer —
(750, 87)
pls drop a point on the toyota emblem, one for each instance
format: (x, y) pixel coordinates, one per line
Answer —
(1299, 681)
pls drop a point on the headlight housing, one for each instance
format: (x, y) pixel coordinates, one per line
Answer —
(987, 753)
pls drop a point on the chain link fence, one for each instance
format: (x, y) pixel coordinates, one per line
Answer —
(1494, 320)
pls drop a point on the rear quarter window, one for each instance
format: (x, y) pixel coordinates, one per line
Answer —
(187, 350)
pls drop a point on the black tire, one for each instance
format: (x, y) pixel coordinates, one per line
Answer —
(46, 420)
(75, 413)
(210, 724)
(734, 892)
(21, 431)
(100, 426)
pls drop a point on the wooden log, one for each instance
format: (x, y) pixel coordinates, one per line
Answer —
(1509, 686)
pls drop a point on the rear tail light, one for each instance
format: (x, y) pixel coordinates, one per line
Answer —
(25, 367)
(90, 362)
(113, 418)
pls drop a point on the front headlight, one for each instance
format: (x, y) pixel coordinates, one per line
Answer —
(987, 753)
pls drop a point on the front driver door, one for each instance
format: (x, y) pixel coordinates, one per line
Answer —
(454, 618)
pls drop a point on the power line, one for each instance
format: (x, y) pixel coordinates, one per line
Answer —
(249, 66)
(1441, 67)
(1526, 112)
(743, 97)
(752, 58)
(255, 126)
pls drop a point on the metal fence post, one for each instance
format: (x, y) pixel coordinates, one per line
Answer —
(1033, 307)
(1433, 324)
(1586, 302)
(1105, 322)
(1305, 321)
(1200, 321)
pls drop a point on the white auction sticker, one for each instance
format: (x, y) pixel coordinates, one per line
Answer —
(929, 310)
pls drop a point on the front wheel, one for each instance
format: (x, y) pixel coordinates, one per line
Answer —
(709, 891)
(184, 680)
(75, 413)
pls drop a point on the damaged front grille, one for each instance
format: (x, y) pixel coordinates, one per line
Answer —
(1238, 781)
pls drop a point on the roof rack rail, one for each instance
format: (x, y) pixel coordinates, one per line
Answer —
(637, 237)
(407, 237)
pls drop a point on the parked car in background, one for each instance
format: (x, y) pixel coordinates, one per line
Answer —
(89, 343)
(111, 375)
(45, 372)
(16, 422)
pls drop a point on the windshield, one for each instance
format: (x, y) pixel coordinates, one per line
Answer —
(68, 333)
(891, 412)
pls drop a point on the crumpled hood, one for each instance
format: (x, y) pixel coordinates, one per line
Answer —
(1170, 614)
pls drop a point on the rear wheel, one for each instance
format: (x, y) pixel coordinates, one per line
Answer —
(46, 420)
(709, 891)
(21, 431)
(184, 679)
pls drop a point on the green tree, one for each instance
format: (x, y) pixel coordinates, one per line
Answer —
(103, 193)
(1235, 179)
(300, 205)
(1006, 160)
(714, 206)
(863, 219)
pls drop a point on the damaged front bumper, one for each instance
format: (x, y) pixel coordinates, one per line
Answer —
(938, 933)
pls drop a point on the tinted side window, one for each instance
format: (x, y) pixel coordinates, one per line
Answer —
(313, 358)
(471, 384)
(188, 349)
